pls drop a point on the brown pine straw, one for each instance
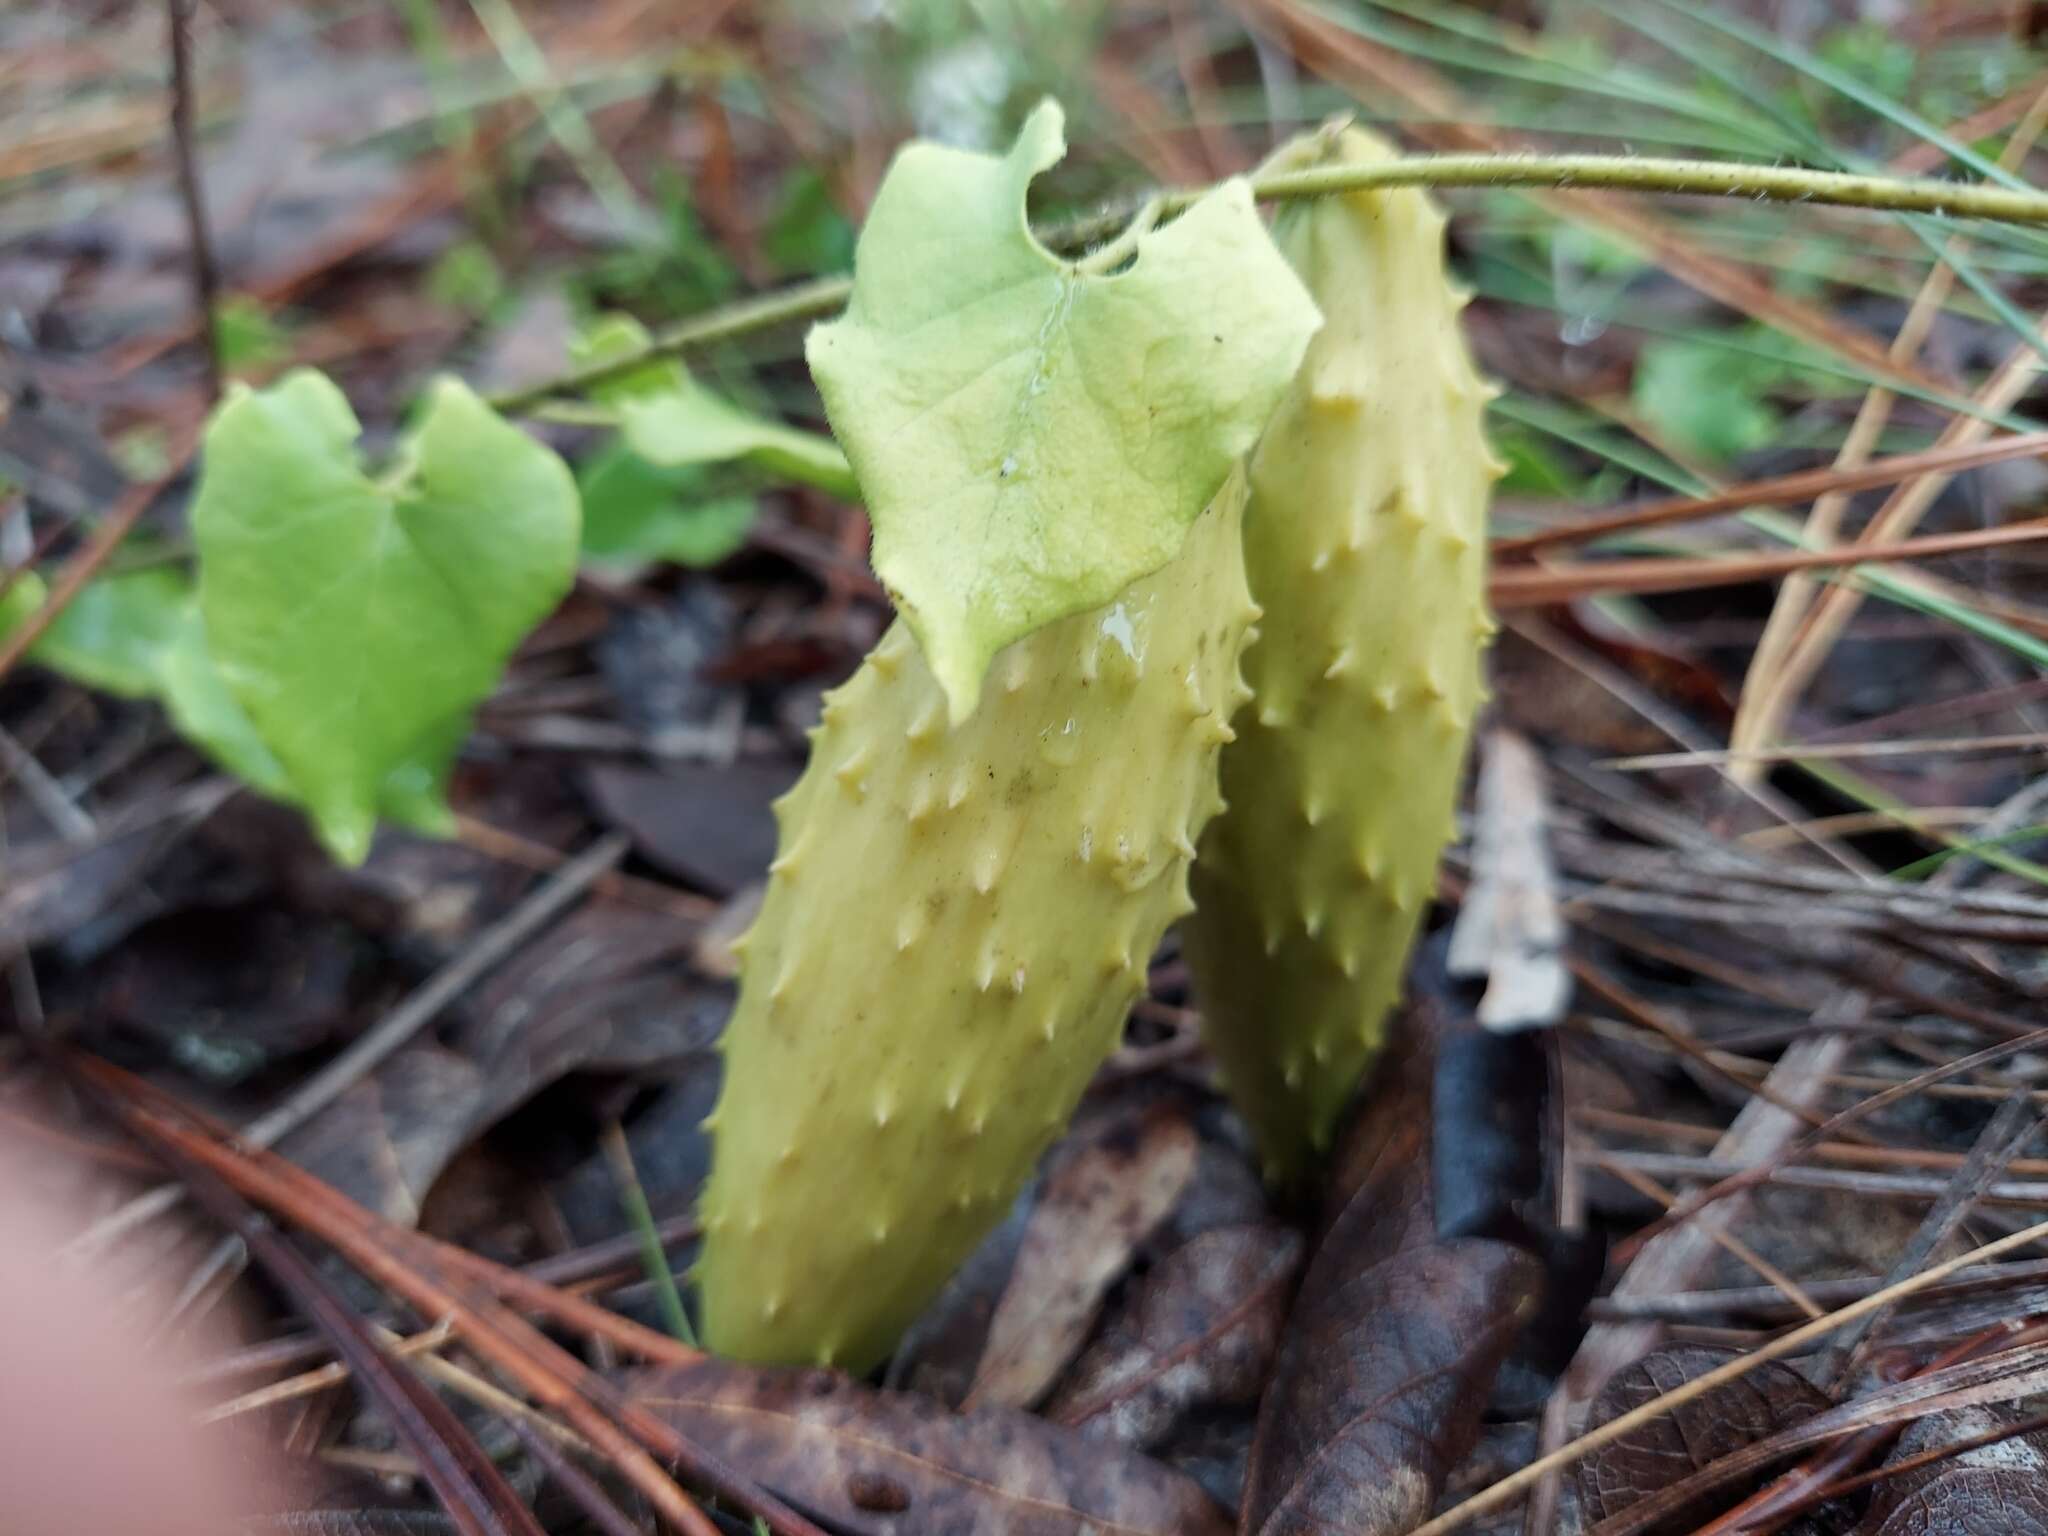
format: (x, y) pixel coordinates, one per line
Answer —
(1781, 490)
(1511, 1487)
(1518, 587)
(440, 1280)
(1795, 639)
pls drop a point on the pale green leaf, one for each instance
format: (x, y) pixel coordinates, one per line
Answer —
(112, 634)
(634, 511)
(670, 419)
(139, 634)
(22, 598)
(197, 699)
(207, 714)
(359, 621)
(1031, 437)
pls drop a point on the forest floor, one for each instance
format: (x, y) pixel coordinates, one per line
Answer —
(1802, 1059)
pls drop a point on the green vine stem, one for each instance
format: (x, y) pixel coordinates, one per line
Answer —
(1612, 173)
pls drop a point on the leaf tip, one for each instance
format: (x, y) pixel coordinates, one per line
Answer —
(345, 833)
(1042, 141)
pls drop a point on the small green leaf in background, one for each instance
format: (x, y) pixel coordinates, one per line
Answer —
(139, 634)
(1030, 437)
(670, 419)
(359, 621)
(1534, 467)
(467, 278)
(1712, 402)
(21, 599)
(112, 635)
(808, 234)
(634, 511)
(143, 451)
(246, 335)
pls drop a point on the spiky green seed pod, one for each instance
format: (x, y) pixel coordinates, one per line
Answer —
(1365, 543)
(955, 926)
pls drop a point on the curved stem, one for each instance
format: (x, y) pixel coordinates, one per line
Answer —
(1615, 173)
(1635, 173)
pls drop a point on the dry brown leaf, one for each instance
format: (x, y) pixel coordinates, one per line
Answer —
(1201, 1332)
(1096, 1208)
(1396, 1336)
(898, 1464)
(1614, 1477)
(1998, 1488)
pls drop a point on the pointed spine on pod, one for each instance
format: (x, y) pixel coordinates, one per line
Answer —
(1365, 544)
(932, 982)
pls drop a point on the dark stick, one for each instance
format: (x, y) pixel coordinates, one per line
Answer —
(205, 275)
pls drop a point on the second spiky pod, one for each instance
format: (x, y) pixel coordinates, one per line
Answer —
(1365, 543)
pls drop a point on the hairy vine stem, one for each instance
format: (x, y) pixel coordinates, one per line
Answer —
(1615, 173)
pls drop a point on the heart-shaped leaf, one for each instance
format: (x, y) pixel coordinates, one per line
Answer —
(139, 634)
(1032, 436)
(359, 621)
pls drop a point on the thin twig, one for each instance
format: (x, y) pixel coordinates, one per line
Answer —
(2031, 741)
(468, 1485)
(438, 1279)
(1780, 490)
(198, 237)
(1542, 586)
(574, 1481)
(1626, 173)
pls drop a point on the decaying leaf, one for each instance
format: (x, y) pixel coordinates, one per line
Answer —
(895, 1463)
(601, 991)
(55, 888)
(1396, 1335)
(1200, 1332)
(1095, 1209)
(1653, 1457)
(1032, 437)
(1998, 1489)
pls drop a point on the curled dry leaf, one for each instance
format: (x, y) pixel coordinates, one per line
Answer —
(1736, 1414)
(1096, 1208)
(898, 1464)
(1396, 1336)
(1990, 1490)
(1201, 1332)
